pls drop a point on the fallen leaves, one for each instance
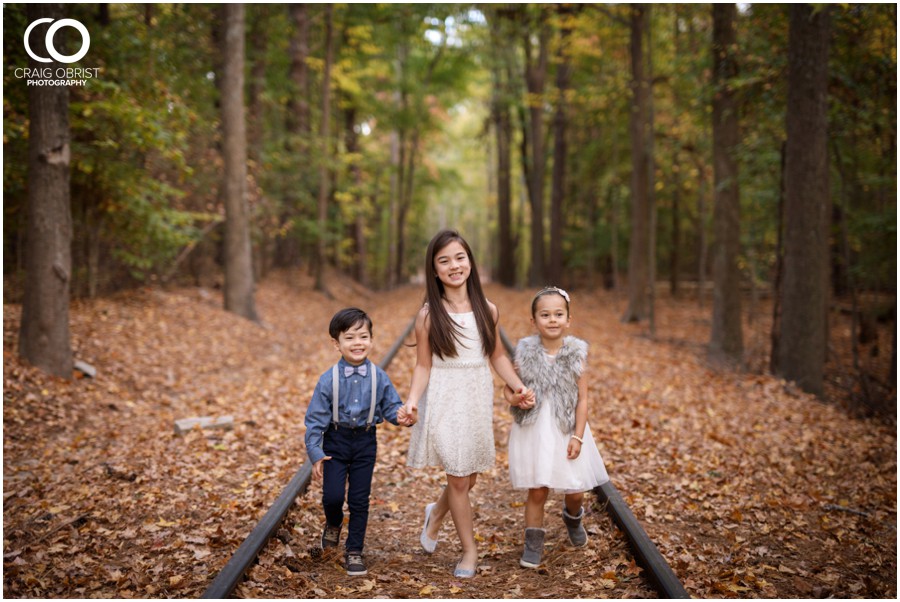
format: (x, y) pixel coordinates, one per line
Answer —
(748, 487)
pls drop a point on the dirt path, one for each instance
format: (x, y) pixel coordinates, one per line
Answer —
(748, 487)
(398, 568)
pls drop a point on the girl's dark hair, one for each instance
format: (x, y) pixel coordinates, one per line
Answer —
(443, 333)
(548, 290)
(346, 319)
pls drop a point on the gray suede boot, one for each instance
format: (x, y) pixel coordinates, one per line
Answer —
(577, 534)
(534, 548)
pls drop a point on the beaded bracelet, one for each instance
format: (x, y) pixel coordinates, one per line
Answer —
(579, 439)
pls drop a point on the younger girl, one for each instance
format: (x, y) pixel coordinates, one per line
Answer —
(452, 388)
(550, 444)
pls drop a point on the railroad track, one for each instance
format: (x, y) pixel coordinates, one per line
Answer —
(657, 570)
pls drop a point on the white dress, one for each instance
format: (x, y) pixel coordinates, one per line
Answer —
(455, 427)
(538, 456)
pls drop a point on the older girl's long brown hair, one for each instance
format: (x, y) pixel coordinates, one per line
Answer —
(444, 333)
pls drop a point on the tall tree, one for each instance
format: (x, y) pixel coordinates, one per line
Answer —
(325, 136)
(357, 231)
(535, 79)
(297, 116)
(500, 114)
(238, 255)
(726, 340)
(639, 268)
(259, 40)
(44, 338)
(803, 338)
(560, 146)
(297, 125)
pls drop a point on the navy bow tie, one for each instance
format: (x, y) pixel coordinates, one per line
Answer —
(362, 370)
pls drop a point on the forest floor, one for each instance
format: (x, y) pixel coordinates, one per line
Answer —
(749, 487)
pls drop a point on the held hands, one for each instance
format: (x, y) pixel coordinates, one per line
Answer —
(523, 399)
(407, 415)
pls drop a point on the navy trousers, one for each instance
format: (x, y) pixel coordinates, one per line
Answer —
(350, 469)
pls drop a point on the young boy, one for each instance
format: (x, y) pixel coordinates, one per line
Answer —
(340, 431)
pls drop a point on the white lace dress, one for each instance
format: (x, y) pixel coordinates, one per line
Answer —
(455, 427)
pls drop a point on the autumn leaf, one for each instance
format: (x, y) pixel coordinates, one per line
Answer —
(800, 483)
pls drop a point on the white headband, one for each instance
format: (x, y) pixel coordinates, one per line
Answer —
(552, 289)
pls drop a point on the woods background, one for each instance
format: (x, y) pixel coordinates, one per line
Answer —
(732, 153)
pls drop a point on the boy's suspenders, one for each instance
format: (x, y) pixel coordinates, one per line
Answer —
(334, 396)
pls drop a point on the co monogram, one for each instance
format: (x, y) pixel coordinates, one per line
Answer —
(62, 58)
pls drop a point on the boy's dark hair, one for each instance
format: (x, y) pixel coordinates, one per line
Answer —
(346, 319)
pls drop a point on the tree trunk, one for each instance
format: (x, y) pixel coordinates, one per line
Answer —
(535, 78)
(264, 248)
(324, 134)
(409, 156)
(297, 116)
(560, 148)
(803, 337)
(238, 256)
(675, 255)
(396, 165)
(258, 42)
(702, 246)
(777, 288)
(612, 218)
(675, 258)
(398, 143)
(500, 113)
(638, 253)
(360, 212)
(297, 126)
(92, 220)
(44, 338)
(726, 340)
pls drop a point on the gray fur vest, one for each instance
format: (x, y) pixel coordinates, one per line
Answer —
(554, 382)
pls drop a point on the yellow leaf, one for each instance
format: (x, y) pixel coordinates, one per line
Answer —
(479, 537)
(734, 587)
(164, 523)
(426, 591)
(454, 589)
(394, 506)
(367, 586)
(175, 580)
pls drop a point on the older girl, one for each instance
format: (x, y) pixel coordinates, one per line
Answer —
(452, 388)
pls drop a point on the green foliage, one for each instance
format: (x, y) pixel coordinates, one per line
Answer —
(145, 133)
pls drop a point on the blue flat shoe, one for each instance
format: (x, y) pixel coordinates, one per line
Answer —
(463, 573)
(428, 544)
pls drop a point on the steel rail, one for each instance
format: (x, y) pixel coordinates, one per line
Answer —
(659, 573)
(233, 572)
